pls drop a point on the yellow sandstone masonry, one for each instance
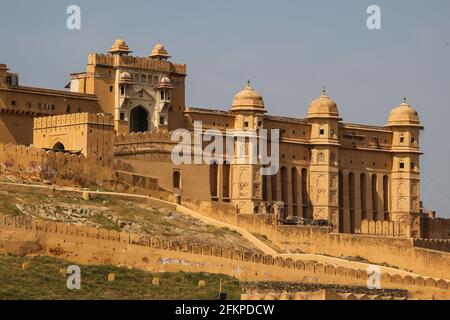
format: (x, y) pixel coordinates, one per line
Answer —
(92, 246)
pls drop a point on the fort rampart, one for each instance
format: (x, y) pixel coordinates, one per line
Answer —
(55, 167)
(134, 142)
(400, 252)
(87, 245)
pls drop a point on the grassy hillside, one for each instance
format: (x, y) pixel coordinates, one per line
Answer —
(44, 280)
(119, 215)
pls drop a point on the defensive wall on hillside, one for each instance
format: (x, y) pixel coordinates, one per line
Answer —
(55, 167)
(87, 245)
(424, 257)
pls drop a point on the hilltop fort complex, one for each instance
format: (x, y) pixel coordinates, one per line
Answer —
(342, 189)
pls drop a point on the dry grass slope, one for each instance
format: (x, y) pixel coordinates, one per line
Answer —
(44, 281)
(119, 215)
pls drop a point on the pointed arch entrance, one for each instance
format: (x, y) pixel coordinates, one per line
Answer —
(59, 147)
(139, 119)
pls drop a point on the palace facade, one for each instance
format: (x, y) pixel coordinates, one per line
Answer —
(330, 170)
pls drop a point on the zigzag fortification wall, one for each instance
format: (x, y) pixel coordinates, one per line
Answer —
(392, 250)
(98, 246)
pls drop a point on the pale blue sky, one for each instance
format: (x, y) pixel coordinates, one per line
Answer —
(289, 49)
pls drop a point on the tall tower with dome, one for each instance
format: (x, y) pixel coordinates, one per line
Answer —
(405, 189)
(143, 93)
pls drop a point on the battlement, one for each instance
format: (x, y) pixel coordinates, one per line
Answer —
(433, 244)
(114, 239)
(385, 228)
(142, 137)
(57, 167)
(315, 295)
(73, 119)
(136, 62)
(143, 141)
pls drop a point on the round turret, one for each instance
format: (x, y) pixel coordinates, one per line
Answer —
(126, 77)
(165, 82)
(248, 100)
(159, 52)
(120, 47)
(323, 107)
(404, 115)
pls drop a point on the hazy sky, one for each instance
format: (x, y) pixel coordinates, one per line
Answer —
(289, 49)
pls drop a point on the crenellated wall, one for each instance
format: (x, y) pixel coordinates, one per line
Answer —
(385, 228)
(136, 62)
(135, 142)
(436, 228)
(433, 244)
(98, 246)
(396, 251)
(73, 119)
(56, 167)
(315, 296)
(89, 134)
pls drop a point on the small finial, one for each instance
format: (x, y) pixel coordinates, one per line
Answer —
(249, 83)
(405, 100)
(324, 90)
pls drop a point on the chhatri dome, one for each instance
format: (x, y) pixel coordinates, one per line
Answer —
(165, 83)
(120, 47)
(404, 115)
(160, 52)
(323, 107)
(126, 77)
(248, 100)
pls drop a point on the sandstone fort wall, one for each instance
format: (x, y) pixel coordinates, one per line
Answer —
(55, 167)
(391, 250)
(98, 246)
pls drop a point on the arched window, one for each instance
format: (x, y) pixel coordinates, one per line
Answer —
(294, 182)
(363, 191)
(226, 180)
(386, 197)
(139, 120)
(375, 196)
(305, 196)
(351, 190)
(341, 201)
(284, 189)
(273, 184)
(213, 173)
(59, 147)
(176, 180)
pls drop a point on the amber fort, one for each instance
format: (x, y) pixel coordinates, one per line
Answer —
(341, 189)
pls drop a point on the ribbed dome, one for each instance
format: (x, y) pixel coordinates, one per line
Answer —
(248, 99)
(165, 82)
(323, 107)
(404, 115)
(126, 77)
(159, 52)
(120, 47)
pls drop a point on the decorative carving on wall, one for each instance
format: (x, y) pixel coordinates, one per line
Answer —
(321, 195)
(334, 181)
(320, 214)
(243, 189)
(244, 174)
(333, 197)
(415, 189)
(257, 189)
